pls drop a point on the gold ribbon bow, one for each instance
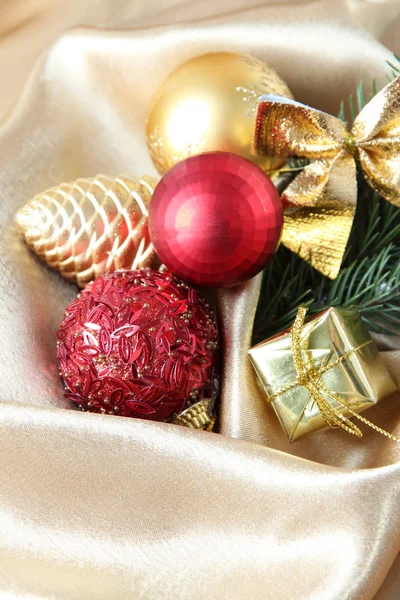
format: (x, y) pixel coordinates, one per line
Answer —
(310, 378)
(321, 201)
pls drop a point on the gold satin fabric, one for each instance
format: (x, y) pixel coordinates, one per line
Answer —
(103, 508)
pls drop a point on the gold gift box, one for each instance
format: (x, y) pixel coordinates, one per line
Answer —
(361, 380)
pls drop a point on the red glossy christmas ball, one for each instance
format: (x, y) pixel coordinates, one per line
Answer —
(138, 344)
(215, 219)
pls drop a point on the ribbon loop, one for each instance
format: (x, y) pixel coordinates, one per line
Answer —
(286, 128)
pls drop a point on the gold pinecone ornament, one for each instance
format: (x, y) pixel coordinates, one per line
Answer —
(91, 226)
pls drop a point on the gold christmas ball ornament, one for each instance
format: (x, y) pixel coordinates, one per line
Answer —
(91, 226)
(209, 103)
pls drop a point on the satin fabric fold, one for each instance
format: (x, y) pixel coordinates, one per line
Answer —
(102, 507)
(246, 414)
(115, 508)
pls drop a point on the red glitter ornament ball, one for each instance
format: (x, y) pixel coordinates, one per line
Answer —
(138, 344)
(215, 219)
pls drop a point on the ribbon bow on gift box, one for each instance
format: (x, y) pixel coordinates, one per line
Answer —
(321, 201)
(323, 373)
(310, 378)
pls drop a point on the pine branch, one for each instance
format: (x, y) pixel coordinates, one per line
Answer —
(372, 283)
(395, 67)
(369, 277)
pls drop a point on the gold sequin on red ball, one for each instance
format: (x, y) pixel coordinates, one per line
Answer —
(138, 344)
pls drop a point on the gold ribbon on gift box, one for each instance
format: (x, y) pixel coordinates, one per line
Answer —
(321, 200)
(309, 377)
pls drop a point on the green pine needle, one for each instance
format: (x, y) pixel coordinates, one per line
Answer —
(369, 277)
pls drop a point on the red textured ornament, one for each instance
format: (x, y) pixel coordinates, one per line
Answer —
(215, 219)
(138, 344)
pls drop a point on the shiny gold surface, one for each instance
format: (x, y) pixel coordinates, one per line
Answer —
(91, 226)
(199, 416)
(322, 198)
(209, 103)
(104, 508)
(346, 373)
